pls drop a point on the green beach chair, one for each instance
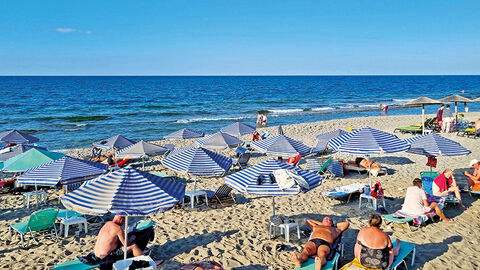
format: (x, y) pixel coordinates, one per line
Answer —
(399, 220)
(323, 170)
(39, 221)
(405, 249)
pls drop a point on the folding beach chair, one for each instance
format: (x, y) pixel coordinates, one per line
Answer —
(242, 161)
(223, 196)
(405, 249)
(332, 259)
(40, 221)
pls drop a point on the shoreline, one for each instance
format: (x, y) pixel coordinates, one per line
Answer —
(237, 236)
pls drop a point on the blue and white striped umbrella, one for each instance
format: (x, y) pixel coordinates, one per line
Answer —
(281, 145)
(324, 138)
(128, 191)
(238, 129)
(366, 141)
(184, 133)
(219, 140)
(197, 161)
(67, 170)
(433, 145)
(246, 180)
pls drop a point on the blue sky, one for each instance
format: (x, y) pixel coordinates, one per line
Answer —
(239, 37)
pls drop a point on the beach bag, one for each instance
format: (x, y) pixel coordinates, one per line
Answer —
(377, 191)
(432, 162)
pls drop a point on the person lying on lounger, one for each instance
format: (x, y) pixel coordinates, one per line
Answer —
(109, 245)
(373, 248)
(416, 202)
(473, 179)
(445, 184)
(366, 164)
(324, 233)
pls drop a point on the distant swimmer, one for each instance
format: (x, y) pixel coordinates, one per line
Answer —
(384, 107)
(463, 91)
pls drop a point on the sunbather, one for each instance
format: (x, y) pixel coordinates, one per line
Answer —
(416, 202)
(477, 125)
(474, 179)
(324, 233)
(109, 245)
(445, 184)
(373, 248)
(366, 164)
(255, 136)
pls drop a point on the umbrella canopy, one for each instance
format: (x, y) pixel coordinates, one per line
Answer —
(18, 137)
(238, 128)
(246, 180)
(219, 140)
(422, 101)
(11, 151)
(140, 149)
(197, 161)
(117, 141)
(366, 141)
(128, 191)
(67, 170)
(281, 145)
(30, 159)
(455, 99)
(184, 133)
(324, 138)
(433, 145)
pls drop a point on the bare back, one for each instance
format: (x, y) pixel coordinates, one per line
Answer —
(109, 238)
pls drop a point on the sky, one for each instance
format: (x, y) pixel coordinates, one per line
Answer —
(177, 37)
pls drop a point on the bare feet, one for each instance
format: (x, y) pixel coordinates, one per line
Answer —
(294, 258)
(448, 220)
(463, 206)
(318, 263)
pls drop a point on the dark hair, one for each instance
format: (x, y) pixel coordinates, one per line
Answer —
(417, 182)
(375, 221)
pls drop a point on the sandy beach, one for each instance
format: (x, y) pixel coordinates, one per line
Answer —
(237, 236)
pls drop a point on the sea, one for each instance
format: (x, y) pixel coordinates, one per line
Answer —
(71, 112)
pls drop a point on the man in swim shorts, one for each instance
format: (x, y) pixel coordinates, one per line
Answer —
(320, 243)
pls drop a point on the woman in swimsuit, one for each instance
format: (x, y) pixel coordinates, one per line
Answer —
(374, 248)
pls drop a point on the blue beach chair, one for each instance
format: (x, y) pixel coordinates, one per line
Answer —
(427, 182)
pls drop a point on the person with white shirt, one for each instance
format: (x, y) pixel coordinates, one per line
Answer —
(447, 117)
(416, 202)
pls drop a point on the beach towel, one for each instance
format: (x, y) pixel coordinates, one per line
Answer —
(288, 178)
(344, 191)
(441, 182)
(417, 219)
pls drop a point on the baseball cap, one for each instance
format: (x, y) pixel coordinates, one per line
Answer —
(473, 161)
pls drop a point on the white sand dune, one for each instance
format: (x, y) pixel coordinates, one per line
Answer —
(237, 236)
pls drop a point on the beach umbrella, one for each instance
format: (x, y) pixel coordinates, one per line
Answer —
(197, 161)
(117, 142)
(433, 145)
(281, 146)
(324, 138)
(66, 170)
(367, 141)
(247, 180)
(184, 133)
(141, 150)
(18, 137)
(455, 99)
(422, 101)
(238, 128)
(219, 140)
(11, 151)
(30, 159)
(126, 192)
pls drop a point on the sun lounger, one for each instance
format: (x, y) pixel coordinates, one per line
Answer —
(242, 161)
(359, 169)
(39, 221)
(405, 218)
(223, 196)
(344, 191)
(429, 124)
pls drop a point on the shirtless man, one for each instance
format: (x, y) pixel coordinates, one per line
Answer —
(110, 237)
(324, 233)
(473, 179)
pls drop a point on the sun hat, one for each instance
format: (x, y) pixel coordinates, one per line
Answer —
(473, 161)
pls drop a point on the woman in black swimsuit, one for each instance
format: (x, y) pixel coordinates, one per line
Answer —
(374, 248)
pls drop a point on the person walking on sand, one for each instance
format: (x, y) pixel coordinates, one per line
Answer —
(439, 116)
(324, 233)
(447, 117)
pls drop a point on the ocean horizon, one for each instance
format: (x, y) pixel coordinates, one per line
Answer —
(73, 111)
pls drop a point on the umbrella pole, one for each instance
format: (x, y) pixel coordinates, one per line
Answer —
(66, 209)
(126, 239)
(368, 173)
(423, 119)
(456, 114)
(273, 205)
(143, 163)
(36, 196)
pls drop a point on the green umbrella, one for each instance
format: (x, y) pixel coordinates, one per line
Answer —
(30, 159)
